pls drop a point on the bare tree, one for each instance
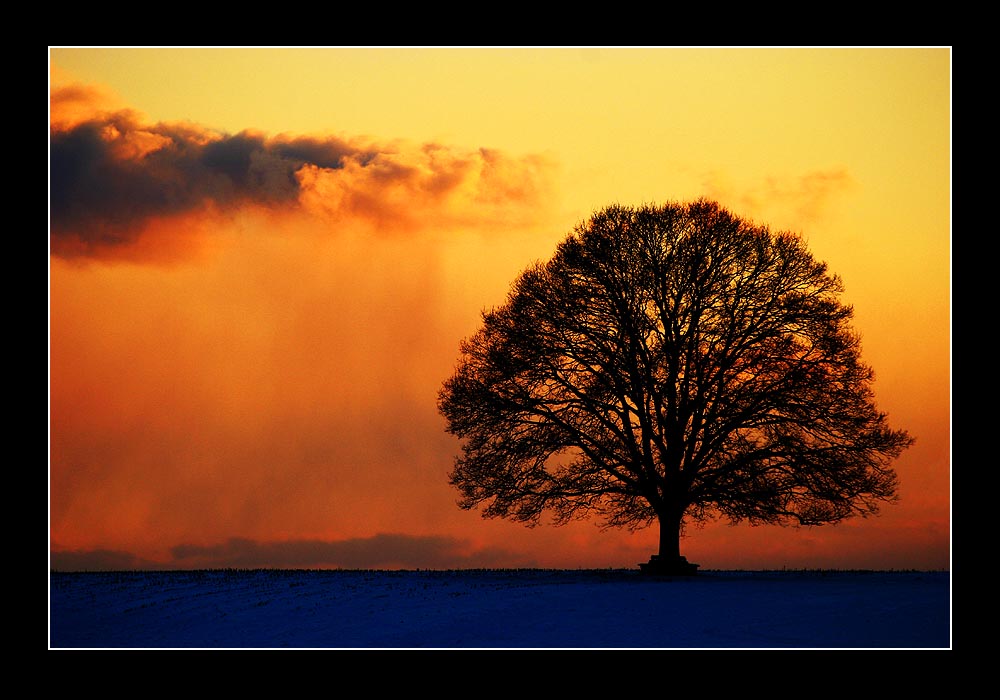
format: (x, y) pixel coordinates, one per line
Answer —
(671, 364)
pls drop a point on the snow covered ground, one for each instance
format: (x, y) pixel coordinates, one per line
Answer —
(502, 609)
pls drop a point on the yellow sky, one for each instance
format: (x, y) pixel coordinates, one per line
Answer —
(850, 147)
(857, 138)
(754, 112)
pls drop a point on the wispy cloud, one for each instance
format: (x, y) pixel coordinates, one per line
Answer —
(795, 200)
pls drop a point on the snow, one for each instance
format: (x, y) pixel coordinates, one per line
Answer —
(499, 609)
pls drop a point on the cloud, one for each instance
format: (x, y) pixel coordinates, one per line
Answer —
(109, 176)
(74, 104)
(789, 201)
(115, 178)
(384, 551)
(432, 186)
(99, 560)
(380, 551)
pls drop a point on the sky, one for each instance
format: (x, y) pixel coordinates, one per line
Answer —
(262, 262)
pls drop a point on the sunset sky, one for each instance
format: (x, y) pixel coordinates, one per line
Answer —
(262, 263)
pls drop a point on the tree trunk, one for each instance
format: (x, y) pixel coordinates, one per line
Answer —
(670, 537)
(669, 562)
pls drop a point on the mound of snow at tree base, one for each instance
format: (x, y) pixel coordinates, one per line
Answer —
(498, 609)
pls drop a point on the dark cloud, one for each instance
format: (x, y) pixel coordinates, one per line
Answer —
(114, 180)
(110, 174)
(99, 560)
(380, 551)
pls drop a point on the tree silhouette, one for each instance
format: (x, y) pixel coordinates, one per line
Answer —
(670, 364)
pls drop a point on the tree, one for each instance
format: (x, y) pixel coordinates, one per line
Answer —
(670, 364)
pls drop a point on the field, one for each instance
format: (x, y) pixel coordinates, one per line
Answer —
(498, 609)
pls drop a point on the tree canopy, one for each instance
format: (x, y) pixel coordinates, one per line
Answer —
(671, 363)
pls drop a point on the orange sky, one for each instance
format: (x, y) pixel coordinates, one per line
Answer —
(263, 262)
